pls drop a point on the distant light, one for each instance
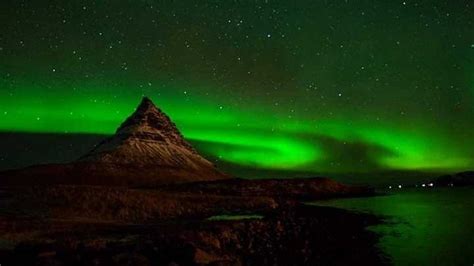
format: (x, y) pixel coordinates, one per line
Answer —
(399, 186)
(390, 187)
(423, 185)
(430, 184)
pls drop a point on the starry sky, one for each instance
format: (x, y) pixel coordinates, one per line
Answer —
(316, 86)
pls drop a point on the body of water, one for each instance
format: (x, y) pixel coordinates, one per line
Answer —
(431, 226)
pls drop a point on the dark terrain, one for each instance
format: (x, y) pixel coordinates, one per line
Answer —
(458, 179)
(71, 225)
(144, 197)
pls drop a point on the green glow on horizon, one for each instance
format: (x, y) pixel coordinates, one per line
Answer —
(252, 138)
(249, 148)
(409, 149)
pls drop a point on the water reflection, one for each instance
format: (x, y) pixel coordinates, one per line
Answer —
(424, 227)
(227, 217)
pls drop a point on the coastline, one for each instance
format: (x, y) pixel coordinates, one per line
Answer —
(82, 225)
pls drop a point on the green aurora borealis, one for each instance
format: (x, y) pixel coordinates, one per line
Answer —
(322, 86)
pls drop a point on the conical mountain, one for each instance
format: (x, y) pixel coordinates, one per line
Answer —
(147, 137)
(147, 149)
(148, 140)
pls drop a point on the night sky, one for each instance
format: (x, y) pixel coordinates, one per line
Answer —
(317, 86)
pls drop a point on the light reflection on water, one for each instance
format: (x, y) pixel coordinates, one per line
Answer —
(425, 226)
(228, 217)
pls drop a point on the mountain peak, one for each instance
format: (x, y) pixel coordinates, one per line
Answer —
(149, 122)
(147, 125)
(146, 150)
(149, 141)
(146, 104)
(147, 117)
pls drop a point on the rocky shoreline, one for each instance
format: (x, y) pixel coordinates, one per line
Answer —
(168, 225)
(296, 235)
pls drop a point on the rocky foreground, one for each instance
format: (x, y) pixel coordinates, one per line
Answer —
(144, 196)
(93, 225)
